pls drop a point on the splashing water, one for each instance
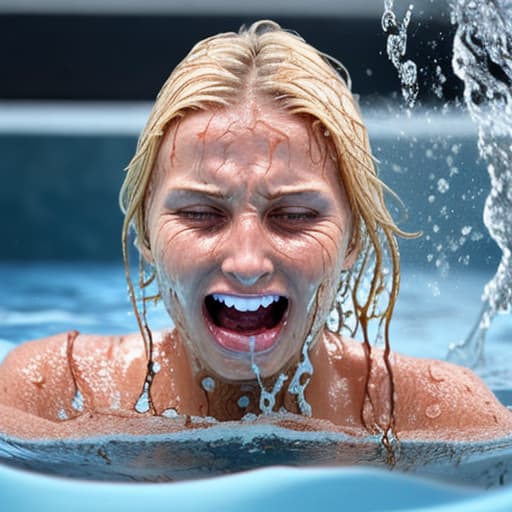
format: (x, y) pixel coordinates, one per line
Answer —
(396, 47)
(296, 386)
(267, 398)
(482, 58)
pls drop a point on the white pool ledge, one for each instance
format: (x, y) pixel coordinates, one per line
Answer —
(128, 118)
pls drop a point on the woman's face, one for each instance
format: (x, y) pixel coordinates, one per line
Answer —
(247, 221)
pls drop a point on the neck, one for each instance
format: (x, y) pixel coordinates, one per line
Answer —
(200, 393)
(233, 400)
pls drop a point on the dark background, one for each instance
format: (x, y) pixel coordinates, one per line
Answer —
(58, 192)
(113, 57)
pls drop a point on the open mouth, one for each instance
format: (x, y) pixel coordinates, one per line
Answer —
(234, 321)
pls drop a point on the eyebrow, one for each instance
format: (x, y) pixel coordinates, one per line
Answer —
(295, 192)
(200, 192)
(192, 193)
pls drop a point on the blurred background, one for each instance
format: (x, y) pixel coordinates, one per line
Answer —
(77, 78)
(77, 81)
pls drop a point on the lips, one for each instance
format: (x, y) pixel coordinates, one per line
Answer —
(235, 320)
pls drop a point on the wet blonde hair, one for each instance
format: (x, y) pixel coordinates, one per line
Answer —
(277, 64)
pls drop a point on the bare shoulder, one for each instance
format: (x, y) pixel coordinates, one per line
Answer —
(431, 398)
(44, 377)
(34, 373)
(434, 396)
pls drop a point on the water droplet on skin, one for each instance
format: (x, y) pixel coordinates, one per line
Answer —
(243, 402)
(208, 384)
(433, 411)
(436, 373)
(62, 415)
(142, 404)
(170, 413)
(78, 401)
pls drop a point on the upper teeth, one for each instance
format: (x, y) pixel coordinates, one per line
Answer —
(246, 303)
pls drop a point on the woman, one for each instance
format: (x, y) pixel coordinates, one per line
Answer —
(255, 202)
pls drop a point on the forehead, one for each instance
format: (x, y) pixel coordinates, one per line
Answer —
(247, 142)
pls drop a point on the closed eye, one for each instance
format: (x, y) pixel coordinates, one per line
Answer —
(201, 216)
(293, 217)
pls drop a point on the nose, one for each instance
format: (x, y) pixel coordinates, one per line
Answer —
(247, 257)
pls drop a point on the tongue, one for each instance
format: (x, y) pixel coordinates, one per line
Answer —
(246, 321)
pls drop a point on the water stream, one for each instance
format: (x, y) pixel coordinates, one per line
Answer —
(482, 59)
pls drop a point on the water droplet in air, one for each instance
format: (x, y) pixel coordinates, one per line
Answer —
(443, 186)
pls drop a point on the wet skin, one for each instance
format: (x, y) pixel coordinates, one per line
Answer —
(246, 203)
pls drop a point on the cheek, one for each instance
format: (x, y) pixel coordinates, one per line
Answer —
(181, 258)
(317, 254)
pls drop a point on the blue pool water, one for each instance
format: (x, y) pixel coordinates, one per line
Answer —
(39, 299)
(444, 274)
